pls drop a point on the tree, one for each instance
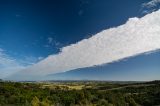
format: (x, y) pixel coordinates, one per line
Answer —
(35, 101)
(45, 102)
(102, 102)
(131, 101)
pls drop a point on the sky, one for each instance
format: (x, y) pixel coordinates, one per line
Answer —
(52, 36)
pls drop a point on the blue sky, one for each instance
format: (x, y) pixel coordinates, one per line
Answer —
(32, 30)
(26, 25)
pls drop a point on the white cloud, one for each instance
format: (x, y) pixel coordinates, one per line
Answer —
(136, 36)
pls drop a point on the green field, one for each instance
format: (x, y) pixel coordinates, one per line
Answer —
(79, 93)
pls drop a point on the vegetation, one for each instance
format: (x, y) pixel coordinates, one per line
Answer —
(89, 93)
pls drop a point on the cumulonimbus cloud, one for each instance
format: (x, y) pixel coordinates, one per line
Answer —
(136, 36)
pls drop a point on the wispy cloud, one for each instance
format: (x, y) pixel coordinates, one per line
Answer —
(18, 15)
(29, 60)
(8, 65)
(50, 40)
(1, 50)
(53, 43)
(80, 12)
(150, 6)
(136, 36)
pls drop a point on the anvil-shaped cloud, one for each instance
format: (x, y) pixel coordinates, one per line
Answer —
(136, 36)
